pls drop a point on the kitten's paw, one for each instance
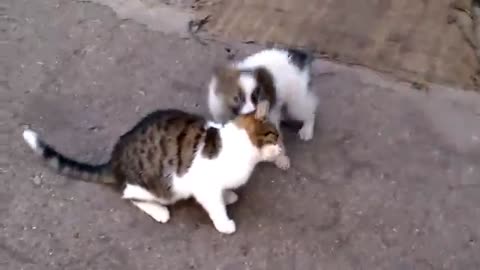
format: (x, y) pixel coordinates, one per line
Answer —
(230, 197)
(282, 162)
(227, 227)
(306, 133)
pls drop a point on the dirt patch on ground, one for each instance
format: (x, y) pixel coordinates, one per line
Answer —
(415, 40)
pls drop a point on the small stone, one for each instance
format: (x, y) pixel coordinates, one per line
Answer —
(93, 128)
(37, 180)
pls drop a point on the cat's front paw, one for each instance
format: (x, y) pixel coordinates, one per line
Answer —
(282, 162)
(227, 226)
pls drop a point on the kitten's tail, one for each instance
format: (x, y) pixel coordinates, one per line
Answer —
(100, 173)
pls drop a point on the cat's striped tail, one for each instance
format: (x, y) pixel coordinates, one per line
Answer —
(100, 173)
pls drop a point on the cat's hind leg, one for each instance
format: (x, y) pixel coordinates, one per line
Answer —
(147, 202)
(157, 211)
(303, 108)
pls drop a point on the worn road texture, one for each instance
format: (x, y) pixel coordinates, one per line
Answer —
(390, 181)
(432, 40)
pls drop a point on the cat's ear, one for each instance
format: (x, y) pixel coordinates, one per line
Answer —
(263, 107)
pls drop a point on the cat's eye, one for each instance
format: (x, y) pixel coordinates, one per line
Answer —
(236, 99)
(270, 135)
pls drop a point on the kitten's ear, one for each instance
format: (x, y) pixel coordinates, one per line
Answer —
(263, 107)
(224, 71)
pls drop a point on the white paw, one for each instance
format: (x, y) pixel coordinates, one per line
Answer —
(226, 226)
(306, 133)
(162, 215)
(282, 162)
(230, 197)
(158, 212)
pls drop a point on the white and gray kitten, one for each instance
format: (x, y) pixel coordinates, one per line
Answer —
(280, 76)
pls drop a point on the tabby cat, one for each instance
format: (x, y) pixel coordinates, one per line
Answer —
(172, 155)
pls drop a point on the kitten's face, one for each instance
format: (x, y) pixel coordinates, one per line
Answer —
(242, 90)
(263, 134)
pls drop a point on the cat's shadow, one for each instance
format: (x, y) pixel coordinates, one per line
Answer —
(291, 125)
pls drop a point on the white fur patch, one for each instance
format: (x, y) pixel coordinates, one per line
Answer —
(214, 125)
(248, 83)
(158, 212)
(134, 192)
(215, 103)
(31, 138)
(248, 107)
(229, 170)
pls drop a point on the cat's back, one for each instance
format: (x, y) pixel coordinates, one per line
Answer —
(272, 59)
(285, 73)
(162, 143)
(166, 122)
(160, 148)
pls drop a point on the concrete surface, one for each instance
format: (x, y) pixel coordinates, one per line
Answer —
(390, 181)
